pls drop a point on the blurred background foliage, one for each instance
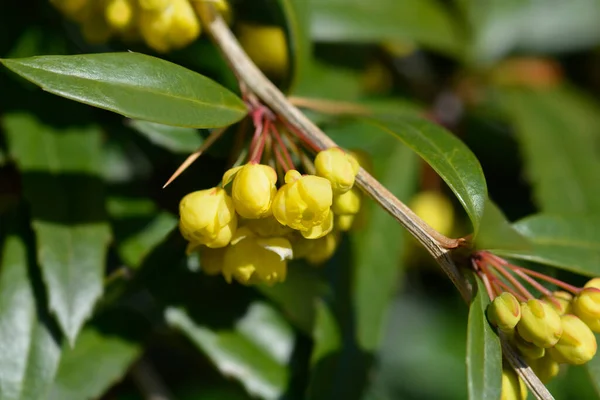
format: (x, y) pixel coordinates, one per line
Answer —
(516, 80)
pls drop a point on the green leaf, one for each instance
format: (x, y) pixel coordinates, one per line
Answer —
(174, 138)
(378, 245)
(448, 156)
(558, 131)
(496, 232)
(255, 352)
(61, 176)
(296, 14)
(98, 360)
(138, 227)
(593, 370)
(484, 354)
(425, 22)
(136, 86)
(29, 348)
(563, 241)
(500, 27)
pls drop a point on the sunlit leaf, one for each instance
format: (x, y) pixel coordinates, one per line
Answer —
(136, 86)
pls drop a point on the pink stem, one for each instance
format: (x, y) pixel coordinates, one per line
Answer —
(282, 146)
(549, 279)
(500, 268)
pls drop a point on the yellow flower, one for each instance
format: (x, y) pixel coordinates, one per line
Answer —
(211, 260)
(303, 202)
(545, 368)
(338, 167)
(321, 230)
(266, 46)
(174, 27)
(505, 312)
(251, 259)
(577, 345)
(540, 324)
(347, 203)
(528, 350)
(119, 13)
(207, 217)
(154, 5)
(593, 283)
(343, 223)
(560, 301)
(435, 209)
(267, 227)
(322, 249)
(586, 306)
(253, 190)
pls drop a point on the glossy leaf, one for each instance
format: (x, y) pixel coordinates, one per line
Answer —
(255, 352)
(29, 348)
(499, 27)
(557, 130)
(136, 86)
(423, 21)
(98, 360)
(496, 232)
(568, 242)
(448, 156)
(61, 175)
(174, 138)
(484, 354)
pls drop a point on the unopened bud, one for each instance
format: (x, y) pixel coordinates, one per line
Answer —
(211, 260)
(540, 324)
(577, 345)
(253, 190)
(593, 283)
(545, 368)
(586, 306)
(528, 350)
(504, 312)
(343, 223)
(513, 388)
(338, 167)
(322, 249)
(347, 203)
(560, 301)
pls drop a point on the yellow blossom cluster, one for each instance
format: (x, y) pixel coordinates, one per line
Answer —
(163, 25)
(249, 228)
(552, 330)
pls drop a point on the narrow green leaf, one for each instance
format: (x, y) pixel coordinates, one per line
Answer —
(484, 354)
(61, 176)
(174, 138)
(29, 348)
(256, 352)
(98, 360)
(562, 241)
(496, 232)
(136, 86)
(558, 130)
(296, 14)
(593, 370)
(425, 22)
(448, 156)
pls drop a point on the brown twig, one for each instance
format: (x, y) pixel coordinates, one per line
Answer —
(435, 243)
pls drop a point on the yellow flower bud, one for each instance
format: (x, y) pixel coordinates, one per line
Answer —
(540, 324)
(338, 167)
(322, 249)
(319, 231)
(435, 209)
(119, 13)
(185, 27)
(251, 259)
(363, 158)
(173, 27)
(545, 368)
(593, 283)
(528, 350)
(154, 5)
(560, 301)
(343, 223)
(211, 260)
(586, 306)
(504, 312)
(229, 175)
(266, 46)
(222, 7)
(207, 217)
(303, 202)
(577, 345)
(253, 190)
(347, 203)
(513, 388)
(73, 9)
(267, 227)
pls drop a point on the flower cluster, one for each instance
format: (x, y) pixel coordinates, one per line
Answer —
(163, 25)
(556, 328)
(248, 228)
